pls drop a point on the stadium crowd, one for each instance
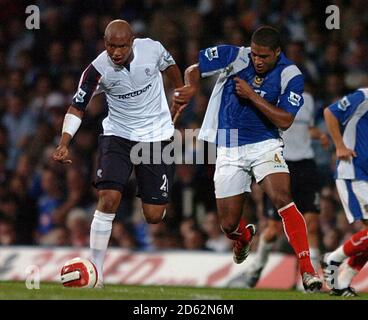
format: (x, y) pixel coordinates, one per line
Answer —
(45, 203)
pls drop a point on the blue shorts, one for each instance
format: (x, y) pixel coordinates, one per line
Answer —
(354, 198)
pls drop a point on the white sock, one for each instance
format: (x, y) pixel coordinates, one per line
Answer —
(262, 253)
(99, 239)
(314, 256)
(338, 255)
(346, 276)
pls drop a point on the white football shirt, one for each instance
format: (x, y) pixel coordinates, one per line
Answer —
(137, 105)
(297, 139)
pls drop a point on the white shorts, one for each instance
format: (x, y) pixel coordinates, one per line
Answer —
(354, 198)
(235, 166)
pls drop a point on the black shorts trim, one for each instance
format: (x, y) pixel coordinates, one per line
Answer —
(109, 185)
(152, 201)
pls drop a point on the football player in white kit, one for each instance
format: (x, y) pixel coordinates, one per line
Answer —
(129, 73)
(347, 123)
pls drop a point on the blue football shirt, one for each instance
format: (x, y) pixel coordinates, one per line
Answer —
(282, 86)
(352, 113)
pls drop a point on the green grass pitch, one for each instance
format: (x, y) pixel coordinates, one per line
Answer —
(55, 291)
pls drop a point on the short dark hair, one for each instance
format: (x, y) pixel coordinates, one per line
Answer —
(267, 36)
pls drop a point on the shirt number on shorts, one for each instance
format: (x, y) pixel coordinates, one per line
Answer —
(164, 186)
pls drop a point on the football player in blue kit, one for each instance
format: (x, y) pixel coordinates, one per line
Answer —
(258, 92)
(347, 123)
(305, 189)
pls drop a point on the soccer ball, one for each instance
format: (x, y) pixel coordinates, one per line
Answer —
(80, 273)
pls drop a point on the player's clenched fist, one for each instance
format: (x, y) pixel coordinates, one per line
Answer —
(61, 154)
(242, 88)
(184, 94)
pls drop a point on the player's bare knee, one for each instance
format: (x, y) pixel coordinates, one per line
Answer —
(108, 201)
(281, 199)
(228, 227)
(154, 216)
(153, 219)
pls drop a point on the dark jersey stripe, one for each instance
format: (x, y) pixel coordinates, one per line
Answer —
(87, 87)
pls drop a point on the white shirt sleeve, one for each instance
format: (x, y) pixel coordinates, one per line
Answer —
(164, 57)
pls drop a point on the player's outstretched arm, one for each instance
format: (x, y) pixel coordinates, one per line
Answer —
(184, 93)
(279, 117)
(176, 79)
(333, 127)
(174, 74)
(192, 79)
(72, 122)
